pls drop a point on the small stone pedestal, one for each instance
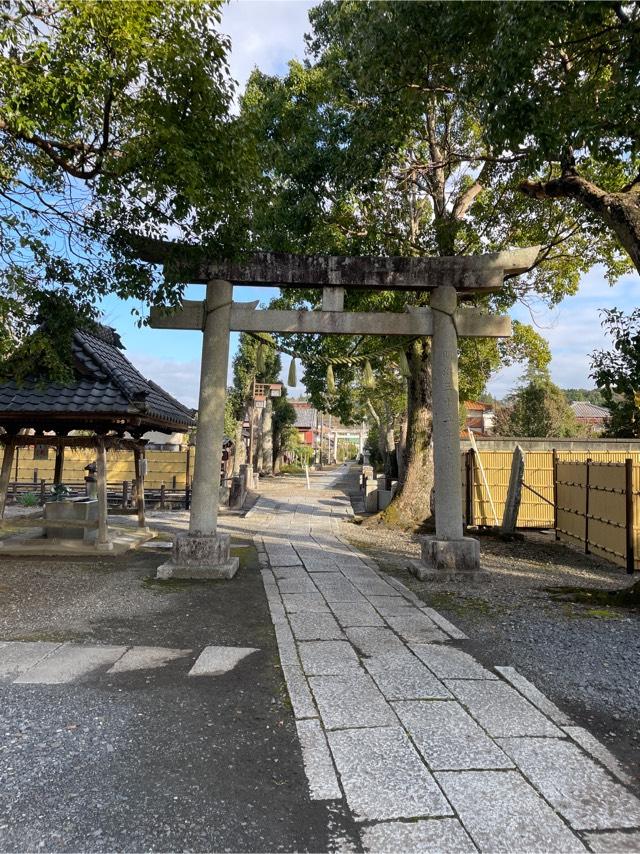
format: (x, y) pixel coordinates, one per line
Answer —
(449, 560)
(200, 557)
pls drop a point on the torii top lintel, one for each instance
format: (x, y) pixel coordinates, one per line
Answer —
(467, 273)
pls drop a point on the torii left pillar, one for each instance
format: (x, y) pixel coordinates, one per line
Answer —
(203, 552)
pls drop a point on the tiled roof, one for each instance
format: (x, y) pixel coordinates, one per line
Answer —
(106, 383)
(306, 416)
(583, 409)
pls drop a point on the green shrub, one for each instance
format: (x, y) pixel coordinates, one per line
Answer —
(28, 499)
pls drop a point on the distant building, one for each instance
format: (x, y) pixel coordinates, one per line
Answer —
(306, 421)
(593, 417)
(480, 418)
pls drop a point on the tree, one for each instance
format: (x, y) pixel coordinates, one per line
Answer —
(557, 88)
(114, 118)
(538, 409)
(375, 150)
(617, 372)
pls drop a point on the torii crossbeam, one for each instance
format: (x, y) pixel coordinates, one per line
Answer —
(203, 552)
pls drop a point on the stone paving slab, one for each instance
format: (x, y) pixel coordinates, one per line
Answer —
(500, 709)
(356, 614)
(591, 744)
(216, 660)
(389, 605)
(70, 662)
(441, 835)
(612, 843)
(534, 695)
(297, 585)
(313, 626)
(318, 764)
(295, 602)
(416, 627)
(502, 812)
(403, 677)
(16, 657)
(447, 662)
(453, 631)
(335, 588)
(351, 700)
(299, 693)
(147, 658)
(448, 738)
(325, 658)
(574, 784)
(383, 777)
(373, 641)
(286, 644)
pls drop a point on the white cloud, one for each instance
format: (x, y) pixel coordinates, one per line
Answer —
(265, 33)
(180, 379)
(574, 330)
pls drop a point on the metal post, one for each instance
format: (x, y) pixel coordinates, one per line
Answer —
(125, 494)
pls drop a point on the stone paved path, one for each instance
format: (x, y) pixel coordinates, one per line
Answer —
(432, 751)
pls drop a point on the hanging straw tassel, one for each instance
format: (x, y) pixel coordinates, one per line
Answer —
(260, 365)
(292, 379)
(368, 379)
(403, 365)
(331, 381)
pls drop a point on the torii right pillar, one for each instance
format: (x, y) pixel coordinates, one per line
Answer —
(448, 554)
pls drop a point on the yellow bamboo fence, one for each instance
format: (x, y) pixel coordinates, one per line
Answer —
(593, 501)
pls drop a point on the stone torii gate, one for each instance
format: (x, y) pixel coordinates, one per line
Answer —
(205, 553)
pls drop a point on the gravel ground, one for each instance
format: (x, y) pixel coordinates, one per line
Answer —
(152, 760)
(586, 659)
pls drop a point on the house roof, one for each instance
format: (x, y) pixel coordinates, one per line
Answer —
(306, 416)
(583, 409)
(105, 385)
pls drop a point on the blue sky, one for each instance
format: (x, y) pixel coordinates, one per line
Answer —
(267, 34)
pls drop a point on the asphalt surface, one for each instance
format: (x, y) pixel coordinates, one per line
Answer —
(152, 760)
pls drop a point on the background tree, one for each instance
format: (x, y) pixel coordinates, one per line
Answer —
(617, 372)
(375, 150)
(538, 409)
(114, 117)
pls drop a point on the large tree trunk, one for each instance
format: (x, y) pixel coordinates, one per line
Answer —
(620, 211)
(411, 507)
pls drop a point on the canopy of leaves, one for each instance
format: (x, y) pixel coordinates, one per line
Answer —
(368, 149)
(617, 372)
(113, 117)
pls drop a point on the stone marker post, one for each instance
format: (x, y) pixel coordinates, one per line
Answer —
(203, 552)
(449, 552)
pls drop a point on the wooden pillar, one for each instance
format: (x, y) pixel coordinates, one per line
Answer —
(101, 472)
(139, 470)
(59, 465)
(5, 473)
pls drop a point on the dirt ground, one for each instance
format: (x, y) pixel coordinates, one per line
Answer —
(585, 657)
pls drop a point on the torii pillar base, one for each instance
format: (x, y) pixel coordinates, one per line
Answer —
(200, 558)
(449, 560)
